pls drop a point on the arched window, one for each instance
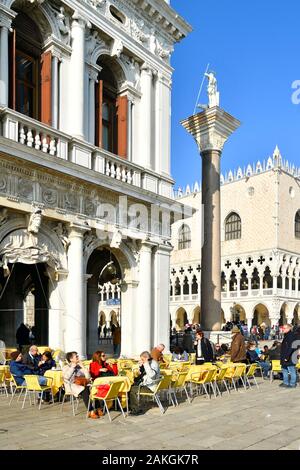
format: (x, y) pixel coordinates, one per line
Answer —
(244, 280)
(297, 224)
(186, 287)
(233, 227)
(30, 71)
(194, 285)
(267, 279)
(110, 113)
(184, 237)
(177, 286)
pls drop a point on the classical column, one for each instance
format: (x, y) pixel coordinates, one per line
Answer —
(130, 311)
(145, 116)
(55, 92)
(162, 123)
(143, 324)
(161, 296)
(130, 105)
(93, 76)
(57, 308)
(75, 339)
(4, 78)
(76, 82)
(211, 128)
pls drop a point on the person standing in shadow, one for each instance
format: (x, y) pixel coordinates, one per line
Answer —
(22, 336)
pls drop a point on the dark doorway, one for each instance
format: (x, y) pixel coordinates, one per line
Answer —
(98, 259)
(23, 282)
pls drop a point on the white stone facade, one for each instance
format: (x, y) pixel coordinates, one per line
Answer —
(58, 167)
(261, 268)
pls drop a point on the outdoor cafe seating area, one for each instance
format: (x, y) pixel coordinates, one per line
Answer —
(179, 382)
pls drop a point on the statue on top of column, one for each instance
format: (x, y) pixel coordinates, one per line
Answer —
(212, 90)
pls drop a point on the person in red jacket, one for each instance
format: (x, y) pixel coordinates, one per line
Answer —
(99, 367)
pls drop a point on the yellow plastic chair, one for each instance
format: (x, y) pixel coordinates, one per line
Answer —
(167, 357)
(3, 382)
(276, 368)
(250, 374)
(179, 385)
(220, 379)
(192, 358)
(204, 379)
(235, 373)
(14, 387)
(42, 349)
(74, 400)
(111, 396)
(32, 385)
(162, 385)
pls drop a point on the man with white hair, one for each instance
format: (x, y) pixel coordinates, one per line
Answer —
(32, 358)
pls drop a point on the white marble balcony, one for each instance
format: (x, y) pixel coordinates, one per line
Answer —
(36, 135)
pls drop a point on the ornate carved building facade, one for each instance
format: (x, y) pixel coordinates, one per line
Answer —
(260, 236)
(85, 143)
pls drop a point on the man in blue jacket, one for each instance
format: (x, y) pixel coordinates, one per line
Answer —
(18, 369)
(287, 360)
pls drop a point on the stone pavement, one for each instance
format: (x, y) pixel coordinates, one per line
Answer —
(267, 418)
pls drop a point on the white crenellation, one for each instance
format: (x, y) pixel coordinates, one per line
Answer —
(271, 163)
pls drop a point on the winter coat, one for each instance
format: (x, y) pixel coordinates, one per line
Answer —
(238, 349)
(18, 370)
(288, 348)
(206, 350)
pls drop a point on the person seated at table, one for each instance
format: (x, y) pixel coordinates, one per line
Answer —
(74, 372)
(32, 358)
(146, 382)
(157, 353)
(18, 369)
(180, 355)
(99, 367)
(219, 351)
(46, 363)
(253, 358)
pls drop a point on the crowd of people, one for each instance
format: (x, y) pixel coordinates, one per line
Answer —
(77, 376)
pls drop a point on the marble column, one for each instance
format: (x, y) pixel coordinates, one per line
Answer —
(211, 128)
(57, 309)
(75, 338)
(93, 75)
(145, 130)
(143, 325)
(77, 73)
(129, 310)
(162, 123)
(4, 77)
(55, 90)
(161, 296)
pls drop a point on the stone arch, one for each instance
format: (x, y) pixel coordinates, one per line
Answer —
(238, 313)
(102, 318)
(45, 246)
(261, 314)
(125, 256)
(43, 15)
(284, 313)
(196, 315)
(296, 314)
(102, 53)
(181, 318)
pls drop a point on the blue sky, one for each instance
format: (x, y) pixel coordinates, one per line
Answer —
(254, 47)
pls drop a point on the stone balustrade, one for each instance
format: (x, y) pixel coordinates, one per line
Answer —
(36, 135)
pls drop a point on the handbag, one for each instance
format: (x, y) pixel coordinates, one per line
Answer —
(83, 381)
(102, 390)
